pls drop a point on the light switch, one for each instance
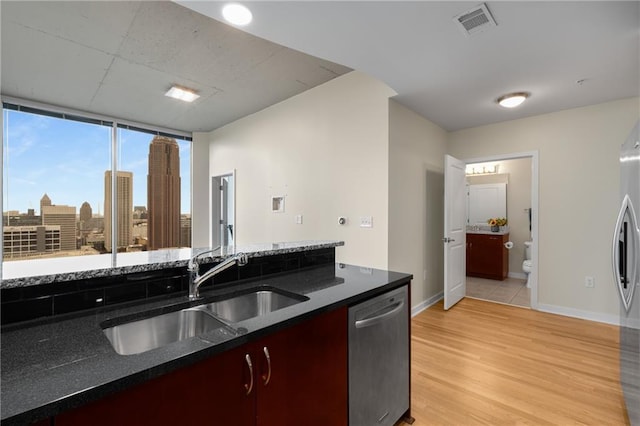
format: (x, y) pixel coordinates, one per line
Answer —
(299, 219)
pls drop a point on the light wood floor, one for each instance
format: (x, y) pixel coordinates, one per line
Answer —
(484, 363)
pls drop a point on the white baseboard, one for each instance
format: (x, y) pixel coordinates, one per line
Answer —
(519, 275)
(577, 313)
(415, 310)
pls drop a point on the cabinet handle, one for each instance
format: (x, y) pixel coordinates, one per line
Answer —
(267, 377)
(249, 387)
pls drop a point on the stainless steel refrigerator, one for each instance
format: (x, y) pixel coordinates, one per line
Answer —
(626, 268)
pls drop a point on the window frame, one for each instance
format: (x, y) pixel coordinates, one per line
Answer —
(33, 107)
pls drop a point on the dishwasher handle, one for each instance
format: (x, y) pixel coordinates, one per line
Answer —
(379, 318)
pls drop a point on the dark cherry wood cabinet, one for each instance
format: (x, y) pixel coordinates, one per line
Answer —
(487, 256)
(308, 383)
(295, 376)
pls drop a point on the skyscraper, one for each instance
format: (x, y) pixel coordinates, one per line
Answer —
(163, 193)
(86, 213)
(44, 201)
(124, 209)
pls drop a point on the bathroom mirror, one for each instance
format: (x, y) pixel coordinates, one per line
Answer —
(485, 201)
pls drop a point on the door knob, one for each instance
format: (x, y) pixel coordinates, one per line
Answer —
(448, 240)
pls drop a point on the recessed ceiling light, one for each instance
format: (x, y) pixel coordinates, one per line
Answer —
(182, 93)
(512, 100)
(237, 14)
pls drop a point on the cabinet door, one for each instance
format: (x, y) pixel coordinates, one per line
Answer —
(211, 392)
(487, 257)
(302, 374)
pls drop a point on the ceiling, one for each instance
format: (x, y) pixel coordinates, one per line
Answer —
(118, 58)
(453, 79)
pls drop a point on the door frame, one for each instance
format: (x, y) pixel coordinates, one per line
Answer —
(215, 208)
(535, 174)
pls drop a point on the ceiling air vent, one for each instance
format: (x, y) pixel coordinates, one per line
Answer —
(475, 20)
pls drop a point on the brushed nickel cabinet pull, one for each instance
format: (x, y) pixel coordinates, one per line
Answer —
(249, 387)
(267, 377)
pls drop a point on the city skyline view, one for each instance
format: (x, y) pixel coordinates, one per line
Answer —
(67, 160)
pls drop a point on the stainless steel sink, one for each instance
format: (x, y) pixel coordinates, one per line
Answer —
(253, 303)
(150, 333)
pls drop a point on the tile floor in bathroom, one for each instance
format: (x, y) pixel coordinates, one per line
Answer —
(512, 291)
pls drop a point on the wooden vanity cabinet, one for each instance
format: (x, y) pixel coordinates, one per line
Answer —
(487, 256)
(301, 378)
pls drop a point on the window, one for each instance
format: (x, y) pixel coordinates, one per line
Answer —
(61, 198)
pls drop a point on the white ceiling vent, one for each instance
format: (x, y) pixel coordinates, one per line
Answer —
(475, 20)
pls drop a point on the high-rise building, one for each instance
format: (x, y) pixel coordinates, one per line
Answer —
(65, 216)
(185, 230)
(86, 213)
(44, 201)
(163, 193)
(22, 241)
(124, 209)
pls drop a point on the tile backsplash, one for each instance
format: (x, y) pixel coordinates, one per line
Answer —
(46, 300)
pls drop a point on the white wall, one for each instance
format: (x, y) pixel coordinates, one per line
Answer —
(518, 199)
(416, 200)
(326, 151)
(200, 190)
(579, 195)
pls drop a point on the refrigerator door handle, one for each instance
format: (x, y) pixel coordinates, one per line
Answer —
(625, 240)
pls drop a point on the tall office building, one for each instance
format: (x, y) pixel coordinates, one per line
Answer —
(86, 213)
(44, 201)
(22, 241)
(124, 209)
(163, 193)
(65, 216)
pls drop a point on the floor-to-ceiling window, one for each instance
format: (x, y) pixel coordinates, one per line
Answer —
(75, 185)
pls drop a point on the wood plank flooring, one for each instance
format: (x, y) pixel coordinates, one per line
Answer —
(485, 363)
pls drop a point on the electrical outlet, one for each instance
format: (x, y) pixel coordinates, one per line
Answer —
(299, 219)
(589, 282)
(366, 222)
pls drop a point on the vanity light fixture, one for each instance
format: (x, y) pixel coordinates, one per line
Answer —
(182, 93)
(237, 14)
(482, 169)
(512, 100)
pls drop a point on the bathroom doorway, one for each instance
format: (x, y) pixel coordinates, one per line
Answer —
(520, 173)
(223, 215)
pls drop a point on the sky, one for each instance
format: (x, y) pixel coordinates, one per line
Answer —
(67, 159)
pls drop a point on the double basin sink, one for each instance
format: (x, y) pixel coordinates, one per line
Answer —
(134, 337)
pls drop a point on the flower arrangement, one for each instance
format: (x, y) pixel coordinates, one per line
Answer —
(497, 221)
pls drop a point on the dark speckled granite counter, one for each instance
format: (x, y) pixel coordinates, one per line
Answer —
(50, 366)
(25, 273)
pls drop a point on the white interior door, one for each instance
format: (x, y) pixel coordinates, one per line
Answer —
(454, 231)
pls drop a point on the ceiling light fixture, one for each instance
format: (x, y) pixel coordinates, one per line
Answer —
(237, 14)
(512, 100)
(182, 93)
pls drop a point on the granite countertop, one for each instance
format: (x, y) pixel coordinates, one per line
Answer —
(50, 366)
(20, 273)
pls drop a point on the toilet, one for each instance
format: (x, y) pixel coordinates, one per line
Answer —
(528, 263)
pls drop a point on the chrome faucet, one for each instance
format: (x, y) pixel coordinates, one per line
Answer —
(196, 280)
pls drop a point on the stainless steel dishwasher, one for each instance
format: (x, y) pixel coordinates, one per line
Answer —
(379, 359)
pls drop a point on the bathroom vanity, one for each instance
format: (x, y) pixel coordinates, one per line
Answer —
(487, 257)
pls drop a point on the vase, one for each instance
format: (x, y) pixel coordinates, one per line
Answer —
(495, 228)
